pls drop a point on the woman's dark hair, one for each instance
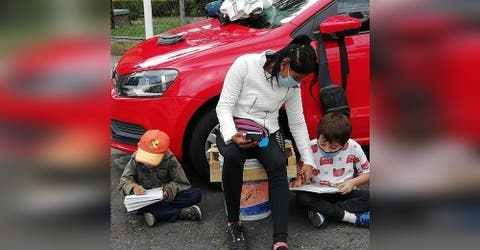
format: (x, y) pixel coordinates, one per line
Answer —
(335, 127)
(300, 55)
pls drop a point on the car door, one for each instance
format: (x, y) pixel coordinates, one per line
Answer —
(358, 80)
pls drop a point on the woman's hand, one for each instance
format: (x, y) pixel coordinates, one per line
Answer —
(307, 171)
(346, 187)
(242, 142)
(296, 182)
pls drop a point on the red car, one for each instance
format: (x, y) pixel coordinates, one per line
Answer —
(175, 87)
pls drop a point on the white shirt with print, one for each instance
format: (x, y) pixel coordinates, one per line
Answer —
(334, 171)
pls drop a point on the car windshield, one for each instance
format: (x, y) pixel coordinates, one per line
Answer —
(281, 12)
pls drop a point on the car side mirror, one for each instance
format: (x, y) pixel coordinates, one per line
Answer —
(339, 26)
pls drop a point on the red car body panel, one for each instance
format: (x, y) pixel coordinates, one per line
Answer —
(357, 87)
(202, 61)
(154, 114)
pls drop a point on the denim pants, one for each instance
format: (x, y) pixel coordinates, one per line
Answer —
(168, 211)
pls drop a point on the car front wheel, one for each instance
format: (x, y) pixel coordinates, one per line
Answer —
(203, 136)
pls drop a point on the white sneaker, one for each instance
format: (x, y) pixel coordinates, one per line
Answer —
(150, 219)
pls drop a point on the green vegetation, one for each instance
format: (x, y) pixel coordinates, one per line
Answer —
(162, 8)
(160, 25)
(118, 48)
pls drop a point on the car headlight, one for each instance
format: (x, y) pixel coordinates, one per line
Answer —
(151, 83)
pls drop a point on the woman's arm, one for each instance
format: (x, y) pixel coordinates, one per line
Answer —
(228, 98)
(298, 127)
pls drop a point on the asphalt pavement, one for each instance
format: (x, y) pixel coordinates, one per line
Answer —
(129, 231)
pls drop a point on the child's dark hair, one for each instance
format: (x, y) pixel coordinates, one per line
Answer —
(301, 57)
(335, 127)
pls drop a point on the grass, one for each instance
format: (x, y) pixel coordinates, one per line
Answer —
(160, 25)
(118, 48)
(137, 29)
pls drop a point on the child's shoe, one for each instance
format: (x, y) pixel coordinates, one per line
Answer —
(150, 219)
(190, 213)
(236, 237)
(316, 218)
(363, 220)
(280, 246)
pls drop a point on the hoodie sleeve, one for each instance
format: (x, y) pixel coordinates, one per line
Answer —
(231, 90)
(298, 127)
(178, 181)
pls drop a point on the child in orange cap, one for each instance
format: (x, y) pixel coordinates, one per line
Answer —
(153, 166)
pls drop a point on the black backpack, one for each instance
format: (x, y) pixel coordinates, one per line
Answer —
(332, 96)
(333, 99)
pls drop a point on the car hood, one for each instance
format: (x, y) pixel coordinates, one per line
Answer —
(200, 37)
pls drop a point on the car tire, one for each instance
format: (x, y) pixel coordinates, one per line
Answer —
(203, 135)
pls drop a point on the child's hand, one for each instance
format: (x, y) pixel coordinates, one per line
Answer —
(138, 190)
(346, 187)
(165, 193)
(296, 182)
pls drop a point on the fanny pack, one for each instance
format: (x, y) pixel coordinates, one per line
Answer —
(244, 125)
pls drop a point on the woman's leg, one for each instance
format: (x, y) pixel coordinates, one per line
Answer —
(232, 176)
(274, 161)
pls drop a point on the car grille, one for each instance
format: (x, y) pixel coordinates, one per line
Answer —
(127, 133)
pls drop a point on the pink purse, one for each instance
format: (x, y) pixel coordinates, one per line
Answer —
(247, 125)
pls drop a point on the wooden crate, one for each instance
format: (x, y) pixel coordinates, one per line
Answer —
(252, 174)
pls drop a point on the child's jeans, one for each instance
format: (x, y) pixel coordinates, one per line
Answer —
(332, 206)
(168, 211)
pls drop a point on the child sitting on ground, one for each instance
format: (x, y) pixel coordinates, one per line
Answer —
(153, 166)
(336, 159)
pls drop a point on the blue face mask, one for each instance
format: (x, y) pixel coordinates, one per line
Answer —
(329, 154)
(287, 81)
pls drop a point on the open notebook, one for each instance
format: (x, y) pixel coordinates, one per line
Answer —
(316, 188)
(134, 202)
